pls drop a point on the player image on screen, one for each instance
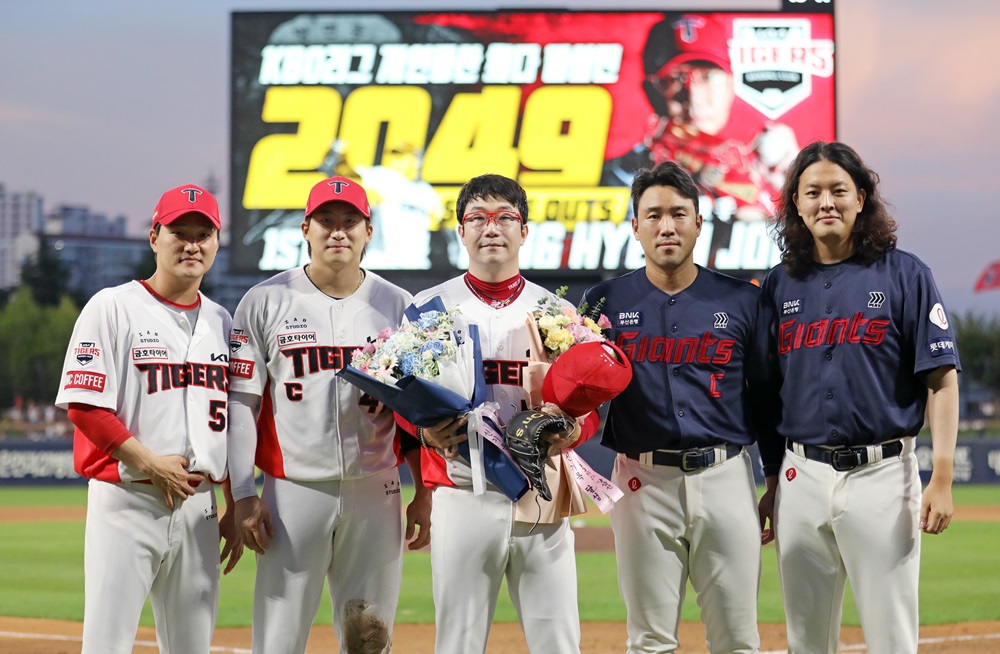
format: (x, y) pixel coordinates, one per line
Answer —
(689, 84)
(145, 384)
(861, 350)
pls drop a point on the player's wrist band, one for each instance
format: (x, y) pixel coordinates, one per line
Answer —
(420, 437)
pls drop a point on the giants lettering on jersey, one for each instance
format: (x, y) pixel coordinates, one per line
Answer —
(310, 360)
(91, 381)
(505, 373)
(793, 335)
(166, 376)
(703, 349)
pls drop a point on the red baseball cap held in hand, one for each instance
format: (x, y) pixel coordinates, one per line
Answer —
(338, 189)
(586, 376)
(188, 198)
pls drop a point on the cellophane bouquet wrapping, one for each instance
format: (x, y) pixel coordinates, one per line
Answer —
(430, 368)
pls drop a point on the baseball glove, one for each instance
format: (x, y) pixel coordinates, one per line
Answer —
(525, 436)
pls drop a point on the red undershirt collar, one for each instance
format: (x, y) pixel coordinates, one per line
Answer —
(185, 307)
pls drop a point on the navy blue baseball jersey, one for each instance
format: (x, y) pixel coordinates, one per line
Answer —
(850, 345)
(691, 356)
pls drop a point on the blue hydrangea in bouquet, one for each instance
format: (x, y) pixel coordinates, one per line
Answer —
(427, 348)
(430, 369)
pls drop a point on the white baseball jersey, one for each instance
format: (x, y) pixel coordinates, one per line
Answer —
(477, 539)
(504, 340)
(134, 353)
(289, 339)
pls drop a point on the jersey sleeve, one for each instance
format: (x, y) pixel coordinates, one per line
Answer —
(248, 347)
(926, 323)
(763, 381)
(90, 372)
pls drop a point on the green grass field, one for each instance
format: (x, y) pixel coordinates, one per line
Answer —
(41, 572)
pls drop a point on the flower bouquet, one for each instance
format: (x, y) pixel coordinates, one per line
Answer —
(573, 366)
(430, 369)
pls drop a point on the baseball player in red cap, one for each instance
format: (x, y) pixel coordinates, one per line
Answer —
(681, 429)
(145, 384)
(689, 84)
(330, 507)
(481, 539)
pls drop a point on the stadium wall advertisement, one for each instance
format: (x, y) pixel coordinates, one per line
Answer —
(569, 103)
(25, 463)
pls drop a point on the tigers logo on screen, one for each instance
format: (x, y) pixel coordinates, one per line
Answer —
(774, 61)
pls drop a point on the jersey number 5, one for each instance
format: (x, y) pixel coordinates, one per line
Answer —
(217, 415)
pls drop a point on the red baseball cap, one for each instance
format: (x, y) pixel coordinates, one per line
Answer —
(188, 198)
(338, 189)
(698, 38)
(586, 376)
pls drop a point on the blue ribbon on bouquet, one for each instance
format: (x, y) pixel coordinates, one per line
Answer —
(425, 404)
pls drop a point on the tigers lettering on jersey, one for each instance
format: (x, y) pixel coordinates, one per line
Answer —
(310, 360)
(793, 335)
(504, 373)
(703, 349)
(91, 381)
(167, 376)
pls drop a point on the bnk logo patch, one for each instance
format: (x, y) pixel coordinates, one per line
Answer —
(628, 319)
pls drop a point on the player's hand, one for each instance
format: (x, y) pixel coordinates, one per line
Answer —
(418, 520)
(559, 440)
(232, 542)
(171, 476)
(253, 519)
(765, 510)
(936, 508)
(445, 436)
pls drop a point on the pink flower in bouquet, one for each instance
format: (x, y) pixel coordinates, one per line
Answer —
(582, 369)
(561, 327)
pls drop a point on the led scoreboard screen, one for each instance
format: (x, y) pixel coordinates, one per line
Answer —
(569, 103)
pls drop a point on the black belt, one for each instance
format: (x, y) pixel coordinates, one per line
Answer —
(843, 459)
(696, 458)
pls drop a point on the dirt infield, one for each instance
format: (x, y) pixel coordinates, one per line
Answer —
(30, 636)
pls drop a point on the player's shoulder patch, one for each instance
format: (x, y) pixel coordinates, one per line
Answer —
(938, 317)
(89, 381)
(86, 352)
(941, 346)
(237, 340)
